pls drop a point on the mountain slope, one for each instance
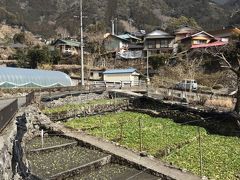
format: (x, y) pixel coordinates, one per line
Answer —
(49, 17)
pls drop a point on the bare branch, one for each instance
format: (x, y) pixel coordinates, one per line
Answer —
(230, 68)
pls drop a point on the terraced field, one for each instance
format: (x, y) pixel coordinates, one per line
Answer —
(114, 172)
(61, 160)
(49, 141)
(65, 161)
(171, 142)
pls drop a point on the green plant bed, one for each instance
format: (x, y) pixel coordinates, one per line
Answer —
(72, 107)
(48, 163)
(221, 157)
(48, 141)
(157, 134)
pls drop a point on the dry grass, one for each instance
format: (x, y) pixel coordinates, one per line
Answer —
(226, 103)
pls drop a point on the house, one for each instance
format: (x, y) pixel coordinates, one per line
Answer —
(158, 42)
(184, 32)
(227, 33)
(196, 39)
(121, 75)
(132, 39)
(67, 47)
(115, 43)
(139, 34)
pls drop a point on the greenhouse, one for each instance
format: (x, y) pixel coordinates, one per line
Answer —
(18, 77)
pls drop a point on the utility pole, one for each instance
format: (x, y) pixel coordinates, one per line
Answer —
(148, 80)
(81, 45)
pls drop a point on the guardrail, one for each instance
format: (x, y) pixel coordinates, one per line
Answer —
(7, 113)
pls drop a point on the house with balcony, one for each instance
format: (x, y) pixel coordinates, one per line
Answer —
(158, 42)
(67, 47)
(198, 39)
(125, 46)
(114, 43)
(201, 40)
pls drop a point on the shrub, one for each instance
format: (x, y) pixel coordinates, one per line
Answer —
(218, 86)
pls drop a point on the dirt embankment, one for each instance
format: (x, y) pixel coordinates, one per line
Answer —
(7, 34)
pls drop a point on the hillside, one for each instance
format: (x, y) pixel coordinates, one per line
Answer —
(50, 17)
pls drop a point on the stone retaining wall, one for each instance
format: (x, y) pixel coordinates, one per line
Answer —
(223, 123)
(6, 146)
(91, 110)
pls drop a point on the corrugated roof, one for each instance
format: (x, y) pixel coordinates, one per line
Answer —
(128, 36)
(119, 71)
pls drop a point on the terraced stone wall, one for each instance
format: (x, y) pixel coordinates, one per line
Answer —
(223, 123)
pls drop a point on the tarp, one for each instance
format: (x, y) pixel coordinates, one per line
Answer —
(130, 54)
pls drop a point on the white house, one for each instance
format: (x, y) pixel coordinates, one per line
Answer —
(121, 76)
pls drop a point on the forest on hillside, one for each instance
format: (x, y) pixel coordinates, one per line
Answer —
(49, 17)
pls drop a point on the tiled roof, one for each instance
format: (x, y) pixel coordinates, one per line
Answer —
(119, 71)
(159, 34)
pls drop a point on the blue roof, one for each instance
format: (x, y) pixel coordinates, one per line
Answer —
(18, 77)
(119, 71)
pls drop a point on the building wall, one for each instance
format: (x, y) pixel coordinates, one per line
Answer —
(111, 44)
(96, 75)
(158, 43)
(120, 77)
(117, 77)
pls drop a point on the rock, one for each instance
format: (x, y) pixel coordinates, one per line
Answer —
(143, 154)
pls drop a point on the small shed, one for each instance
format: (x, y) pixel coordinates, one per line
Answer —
(121, 75)
(96, 74)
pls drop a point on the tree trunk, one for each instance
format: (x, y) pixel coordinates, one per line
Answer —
(237, 106)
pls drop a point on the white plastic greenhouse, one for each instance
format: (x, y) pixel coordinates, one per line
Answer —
(18, 77)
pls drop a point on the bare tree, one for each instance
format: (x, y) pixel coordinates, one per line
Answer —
(229, 58)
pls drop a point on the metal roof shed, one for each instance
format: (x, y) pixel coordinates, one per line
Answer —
(121, 75)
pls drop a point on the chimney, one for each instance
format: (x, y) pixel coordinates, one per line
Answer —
(113, 27)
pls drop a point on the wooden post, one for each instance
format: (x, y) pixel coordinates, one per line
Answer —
(140, 134)
(42, 137)
(200, 151)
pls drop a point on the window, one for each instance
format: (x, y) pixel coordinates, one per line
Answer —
(158, 44)
(199, 42)
(151, 44)
(91, 74)
(164, 43)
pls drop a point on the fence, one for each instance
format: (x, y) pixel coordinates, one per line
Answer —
(192, 96)
(7, 113)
